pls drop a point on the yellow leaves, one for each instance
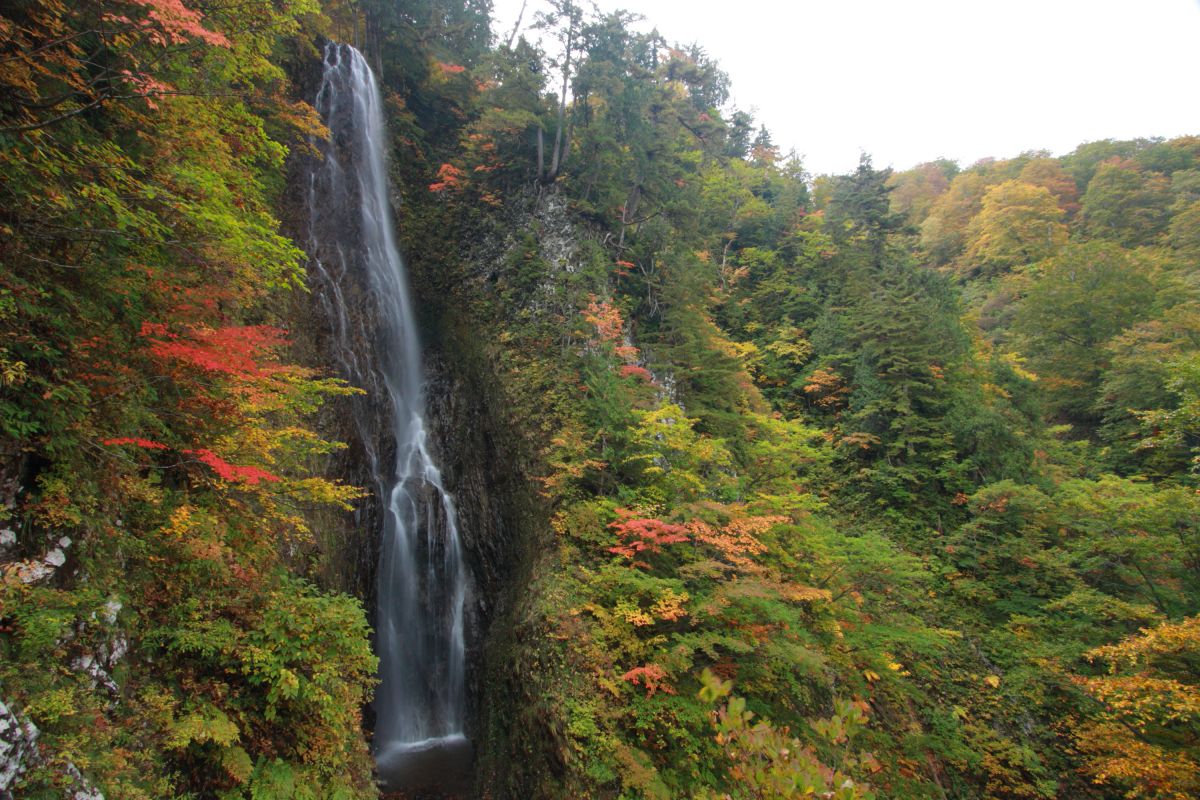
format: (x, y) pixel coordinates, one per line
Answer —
(1019, 223)
(55, 508)
(288, 684)
(806, 594)
(237, 764)
(871, 675)
(1149, 689)
(743, 352)
(1113, 755)
(180, 522)
(992, 681)
(634, 615)
(791, 346)
(670, 606)
(568, 460)
(325, 492)
(1016, 363)
(1169, 637)
(206, 724)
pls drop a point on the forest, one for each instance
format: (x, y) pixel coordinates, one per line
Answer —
(874, 485)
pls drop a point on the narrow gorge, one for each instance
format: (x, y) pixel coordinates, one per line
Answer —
(422, 583)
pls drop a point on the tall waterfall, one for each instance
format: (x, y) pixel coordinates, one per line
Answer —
(421, 576)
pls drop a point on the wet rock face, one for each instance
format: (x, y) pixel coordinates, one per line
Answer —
(476, 470)
(486, 481)
(334, 329)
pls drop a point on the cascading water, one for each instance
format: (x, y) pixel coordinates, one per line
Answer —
(421, 585)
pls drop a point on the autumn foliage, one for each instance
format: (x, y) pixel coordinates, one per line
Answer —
(644, 536)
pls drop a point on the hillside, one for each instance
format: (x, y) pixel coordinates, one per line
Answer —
(763, 484)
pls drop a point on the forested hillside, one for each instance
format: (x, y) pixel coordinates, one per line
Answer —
(878, 485)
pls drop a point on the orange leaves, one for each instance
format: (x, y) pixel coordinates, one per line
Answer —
(627, 353)
(237, 352)
(146, 86)
(171, 22)
(450, 69)
(609, 337)
(248, 475)
(450, 177)
(827, 389)
(737, 541)
(641, 535)
(606, 319)
(651, 677)
(633, 370)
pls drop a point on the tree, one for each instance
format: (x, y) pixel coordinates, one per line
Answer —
(861, 207)
(1018, 223)
(914, 191)
(565, 23)
(943, 233)
(1049, 174)
(1184, 232)
(1145, 739)
(1143, 378)
(1082, 298)
(1125, 204)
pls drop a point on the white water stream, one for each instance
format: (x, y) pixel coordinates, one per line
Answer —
(421, 585)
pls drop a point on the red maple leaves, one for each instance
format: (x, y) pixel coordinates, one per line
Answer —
(232, 472)
(249, 475)
(146, 444)
(235, 350)
(652, 677)
(633, 370)
(644, 535)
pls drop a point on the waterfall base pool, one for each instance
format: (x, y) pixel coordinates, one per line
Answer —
(444, 763)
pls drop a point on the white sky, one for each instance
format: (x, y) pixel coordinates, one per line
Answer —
(912, 80)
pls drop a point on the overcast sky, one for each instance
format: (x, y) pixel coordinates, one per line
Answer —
(912, 80)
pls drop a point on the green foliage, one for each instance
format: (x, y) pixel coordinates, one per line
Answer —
(1125, 204)
(773, 446)
(1080, 300)
(149, 413)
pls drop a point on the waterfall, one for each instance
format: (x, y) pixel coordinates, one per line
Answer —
(421, 584)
